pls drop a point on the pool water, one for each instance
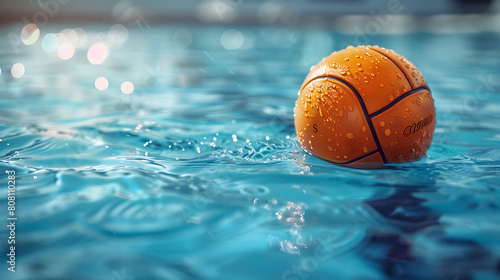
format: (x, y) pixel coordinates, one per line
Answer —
(197, 174)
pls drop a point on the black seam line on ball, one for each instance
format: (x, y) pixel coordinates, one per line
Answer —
(361, 157)
(397, 65)
(397, 100)
(365, 112)
(347, 162)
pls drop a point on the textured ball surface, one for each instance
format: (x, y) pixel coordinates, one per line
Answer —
(365, 105)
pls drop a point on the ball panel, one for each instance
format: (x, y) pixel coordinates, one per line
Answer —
(330, 122)
(411, 72)
(405, 130)
(371, 88)
(376, 78)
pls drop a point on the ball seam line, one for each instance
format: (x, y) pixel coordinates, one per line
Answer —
(347, 162)
(388, 106)
(360, 157)
(365, 112)
(397, 65)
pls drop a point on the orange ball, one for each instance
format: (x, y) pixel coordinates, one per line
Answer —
(365, 105)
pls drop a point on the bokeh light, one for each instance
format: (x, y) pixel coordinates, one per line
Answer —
(127, 87)
(101, 83)
(50, 42)
(182, 38)
(17, 70)
(83, 38)
(71, 36)
(232, 39)
(61, 38)
(118, 34)
(66, 51)
(0, 71)
(249, 40)
(97, 53)
(30, 34)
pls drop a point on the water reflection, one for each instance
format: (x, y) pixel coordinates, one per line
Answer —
(420, 247)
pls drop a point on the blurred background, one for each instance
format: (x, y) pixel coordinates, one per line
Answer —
(296, 12)
(155, 140)
(289, 12)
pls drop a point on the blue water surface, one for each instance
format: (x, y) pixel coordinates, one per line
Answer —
(198, 174)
